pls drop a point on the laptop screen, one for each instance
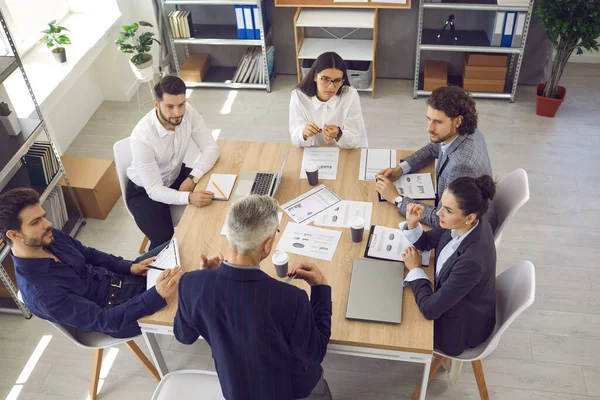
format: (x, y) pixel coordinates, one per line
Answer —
(279, 175)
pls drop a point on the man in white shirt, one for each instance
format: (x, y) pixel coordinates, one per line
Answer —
(157, 176)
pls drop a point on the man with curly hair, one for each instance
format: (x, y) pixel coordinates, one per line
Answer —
(456, 143)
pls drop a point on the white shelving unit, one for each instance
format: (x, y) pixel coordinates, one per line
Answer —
(348, 49)
(218, 35)
(471, 41)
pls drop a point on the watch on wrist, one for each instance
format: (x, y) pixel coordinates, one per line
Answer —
(194, 179)
(398, 201)
(340, 133)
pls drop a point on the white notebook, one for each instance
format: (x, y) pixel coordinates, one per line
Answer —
(221, 185)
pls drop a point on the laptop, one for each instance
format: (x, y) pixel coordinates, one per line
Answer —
(261, 183)
(376, 291)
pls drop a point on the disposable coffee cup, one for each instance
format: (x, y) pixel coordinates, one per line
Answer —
(357, 228)
(280, 261)
(312, 173)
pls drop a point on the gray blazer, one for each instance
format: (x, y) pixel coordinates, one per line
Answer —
(466, 156)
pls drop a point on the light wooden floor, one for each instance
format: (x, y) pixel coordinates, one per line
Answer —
(551, 352)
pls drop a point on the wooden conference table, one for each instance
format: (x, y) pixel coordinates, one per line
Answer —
(198, 231)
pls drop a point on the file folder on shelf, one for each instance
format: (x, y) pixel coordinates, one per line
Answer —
(520, 25)
(239, 20)
(257, 22)
(509, 27)
(248, 21)
(494, 28)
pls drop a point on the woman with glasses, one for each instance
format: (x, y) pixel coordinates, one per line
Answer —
(325, 109)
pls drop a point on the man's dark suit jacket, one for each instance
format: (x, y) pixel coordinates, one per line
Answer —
(268, 340)
(464, 302)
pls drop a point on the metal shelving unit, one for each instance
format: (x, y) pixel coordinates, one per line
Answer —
(218, 35)
(471, 41)
(12, 149)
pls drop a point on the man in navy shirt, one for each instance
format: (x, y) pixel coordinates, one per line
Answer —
(63, 281)
(267, 338)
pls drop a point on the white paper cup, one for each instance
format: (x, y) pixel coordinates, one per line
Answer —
(280, 260)
(357, 228)
(312, 172)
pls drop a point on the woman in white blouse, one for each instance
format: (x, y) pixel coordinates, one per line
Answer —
(325, 109)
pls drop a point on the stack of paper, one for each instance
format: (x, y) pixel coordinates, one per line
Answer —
(55, 207)
(251, 68)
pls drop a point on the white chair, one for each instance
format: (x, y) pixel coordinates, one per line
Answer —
(189, 384)
(511, 194)
(515, 292)
(98, 342)
(123, 159)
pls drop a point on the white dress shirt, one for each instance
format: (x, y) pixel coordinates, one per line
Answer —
(450, 248)
(342, 110)
(158, 154)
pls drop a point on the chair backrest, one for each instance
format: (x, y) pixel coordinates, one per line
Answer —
(123, 159)
(511, 194)
(189, 384)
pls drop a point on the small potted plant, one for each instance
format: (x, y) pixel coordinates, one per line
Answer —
(56, 38)
(131, 41)
(570, 25)
(9, 120)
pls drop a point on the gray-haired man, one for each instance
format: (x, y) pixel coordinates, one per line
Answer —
(268, 340)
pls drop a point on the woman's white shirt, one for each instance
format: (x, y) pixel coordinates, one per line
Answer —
(342, 110)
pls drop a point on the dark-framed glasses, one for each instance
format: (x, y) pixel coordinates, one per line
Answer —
(328, 81)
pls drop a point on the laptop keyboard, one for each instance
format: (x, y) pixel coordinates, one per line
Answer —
(261, 184)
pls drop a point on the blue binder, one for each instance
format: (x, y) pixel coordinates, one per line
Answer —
(239, 21)
(257, 22)
(249, 22)
(509, 28)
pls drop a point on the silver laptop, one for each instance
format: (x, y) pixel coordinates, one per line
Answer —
(261, 183)
(376, 291)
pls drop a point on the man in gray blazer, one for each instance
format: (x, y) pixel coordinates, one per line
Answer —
(456, 143)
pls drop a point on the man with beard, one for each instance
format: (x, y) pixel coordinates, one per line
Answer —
(157, 176)
(63, 281)
(456, 143)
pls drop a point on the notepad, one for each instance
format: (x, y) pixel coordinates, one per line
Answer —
(221, 185)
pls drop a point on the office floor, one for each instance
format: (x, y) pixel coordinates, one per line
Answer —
(551, 352)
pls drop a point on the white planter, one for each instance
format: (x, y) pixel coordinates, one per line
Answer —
(11, 124)
(143, 72)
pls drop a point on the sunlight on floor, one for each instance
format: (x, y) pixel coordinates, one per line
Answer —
(229, 102)
(107, 364)
(29, 367)
(216, 133)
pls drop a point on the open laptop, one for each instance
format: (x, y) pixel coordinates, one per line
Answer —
(376, 291)
(261, 183)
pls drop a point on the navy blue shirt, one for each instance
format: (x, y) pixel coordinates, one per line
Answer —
(267, 339)
(74, 292)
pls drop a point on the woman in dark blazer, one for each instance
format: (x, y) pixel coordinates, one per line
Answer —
(463, 304)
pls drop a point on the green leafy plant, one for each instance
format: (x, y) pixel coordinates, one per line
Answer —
(4, 110)
(570, 25)
(131, 41)
(55, 37)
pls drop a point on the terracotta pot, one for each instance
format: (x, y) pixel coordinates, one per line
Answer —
(546, 106)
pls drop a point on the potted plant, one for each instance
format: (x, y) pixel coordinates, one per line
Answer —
(131, 41)
(570, 25)
(9, 120)
(56, 38)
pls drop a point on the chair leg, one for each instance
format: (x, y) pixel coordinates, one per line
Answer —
(478, 371)
(96, 366)
(435, 365)
(144, 360)
(144, 245)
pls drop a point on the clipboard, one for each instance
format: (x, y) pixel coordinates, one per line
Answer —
(372, 236)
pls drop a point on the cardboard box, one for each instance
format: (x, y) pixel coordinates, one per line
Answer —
(435, 74)
(485, 73)
(195, 67)
(95, 183)
(480, 85)
(487, 60)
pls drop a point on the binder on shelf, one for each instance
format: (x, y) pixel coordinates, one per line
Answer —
(494, 28)
(509, 27)
(518, 34)
(248, 22)
(174, 23)
(171, 24)
(257, 22)
(239, 19)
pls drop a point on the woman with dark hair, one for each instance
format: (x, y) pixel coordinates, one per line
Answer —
(463, 304)
(325, 109)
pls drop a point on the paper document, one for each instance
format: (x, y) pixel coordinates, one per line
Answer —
(342, 213)
(305, 208)
(309, 241)
(374, 160)
(221, 185)
(416, 186)
(389, 243)
(224, 228)
(167, 258)
(327, 159)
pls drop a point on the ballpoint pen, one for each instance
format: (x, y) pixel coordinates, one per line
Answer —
(288, 280)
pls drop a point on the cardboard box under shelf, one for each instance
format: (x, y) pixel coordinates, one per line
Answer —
(484, 73)
(481, 85)
(95, 183)
(486, 60)
(435, 74)
(195, 67)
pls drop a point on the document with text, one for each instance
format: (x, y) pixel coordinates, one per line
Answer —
(309, 241)
(166, 259)
(389, 243)
(326, 158)
(342, 213)
(305, 208)
(416, 186)
(374, 160)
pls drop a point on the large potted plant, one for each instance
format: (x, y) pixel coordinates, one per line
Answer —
(570, 25)
(9, 120)
(55, 37)
(131, 41)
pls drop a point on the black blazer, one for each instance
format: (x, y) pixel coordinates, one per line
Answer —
(464, 302)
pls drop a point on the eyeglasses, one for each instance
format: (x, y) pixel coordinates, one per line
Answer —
(328, 81)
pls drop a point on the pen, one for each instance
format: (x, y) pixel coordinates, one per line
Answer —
(153, 267)
(220, 191)
(288, 280)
